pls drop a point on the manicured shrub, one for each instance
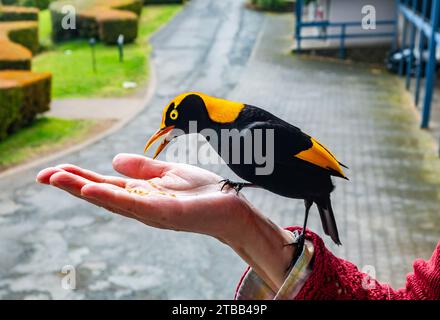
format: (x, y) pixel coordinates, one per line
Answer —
(14, 56)
(88, 25)
(23, 95)
(37, 96)
(274, 5)
(101, 19)
(113, 23)
(13, 13)
(163, 1)
(9, 2)
(132, 6)
(10, 102)
(40, 4)
(58, 33)
(22, 32)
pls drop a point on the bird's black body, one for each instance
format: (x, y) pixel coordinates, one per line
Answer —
(294, 175)
(291, 177)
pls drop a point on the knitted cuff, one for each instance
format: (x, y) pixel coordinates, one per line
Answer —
(334, 278)
(424, 282)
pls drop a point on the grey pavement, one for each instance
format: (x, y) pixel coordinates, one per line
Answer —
(120, 109)
(387, 213)
(434, 125)
(96, 108)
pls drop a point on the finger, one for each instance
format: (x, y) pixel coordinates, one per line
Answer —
(44, 175)
(93, 176)
(73, 184)
(155, 209)
(68, 182)
(139, 167)
(115, 197)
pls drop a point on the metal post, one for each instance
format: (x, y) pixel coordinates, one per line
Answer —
(120, 42)
(395, 44)
(404, 33)
(92, 43)
(430, 67)
(298, 12)
(421, 49)
(409, 63)
(342, 42)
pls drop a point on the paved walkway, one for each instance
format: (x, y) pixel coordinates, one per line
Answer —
(120, 109)
(434, 125)
(102, 108)
(387, 213)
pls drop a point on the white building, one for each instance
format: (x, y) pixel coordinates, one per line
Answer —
(353, 12)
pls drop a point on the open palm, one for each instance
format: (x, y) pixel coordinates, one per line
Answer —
(160, 194)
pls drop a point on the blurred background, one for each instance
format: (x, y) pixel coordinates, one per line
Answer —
(81, 81)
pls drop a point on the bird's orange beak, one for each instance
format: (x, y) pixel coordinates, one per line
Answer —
(159, 133)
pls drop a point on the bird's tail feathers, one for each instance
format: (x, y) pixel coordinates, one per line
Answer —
(327, 218)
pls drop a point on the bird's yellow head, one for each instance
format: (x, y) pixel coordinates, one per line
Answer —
(193, 106)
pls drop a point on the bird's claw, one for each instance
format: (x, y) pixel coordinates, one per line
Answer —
(237, 186)
(299, 243)
(299, 239)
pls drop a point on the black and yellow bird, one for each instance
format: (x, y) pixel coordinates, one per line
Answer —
(302, 166)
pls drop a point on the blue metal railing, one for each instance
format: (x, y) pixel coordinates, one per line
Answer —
(426, 25)
(342, 35)
(421, 19)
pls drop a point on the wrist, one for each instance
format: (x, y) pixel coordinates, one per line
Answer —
(263, 245)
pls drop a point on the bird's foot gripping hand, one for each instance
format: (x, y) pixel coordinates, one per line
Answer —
(298, 242)
(237, 186)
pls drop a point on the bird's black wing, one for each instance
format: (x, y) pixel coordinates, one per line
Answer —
(291, 144)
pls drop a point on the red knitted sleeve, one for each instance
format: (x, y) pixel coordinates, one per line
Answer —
(424, 282)
(335, 278)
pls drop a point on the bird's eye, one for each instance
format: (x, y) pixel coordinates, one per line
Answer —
(174, 114)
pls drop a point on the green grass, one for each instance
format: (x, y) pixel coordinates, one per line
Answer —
(71, 62)
(43, 135)
(44, 28)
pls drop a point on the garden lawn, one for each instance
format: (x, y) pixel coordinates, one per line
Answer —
(44, 28)
(43, 136)
(71, 62)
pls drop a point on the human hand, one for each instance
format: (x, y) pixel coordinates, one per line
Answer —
(160, 194)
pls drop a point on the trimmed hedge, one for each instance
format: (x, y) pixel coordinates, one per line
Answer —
(60, 34)
(14, 56)
(11, 13)
(272, 5)
(132, 6)
(10, 101)
(113, 23)
(101, 19)
(163, 1)
(18, 40)
(21, 32)
(23, 94)
(40, 4)
(9, 2)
